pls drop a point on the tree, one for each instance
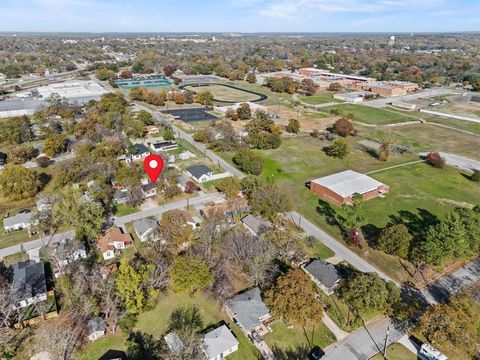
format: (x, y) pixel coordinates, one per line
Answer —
(169, 69)
(131, 285)
(146, 117)
(126, 74)
(244, 111)
(174, 229)
(140, 94)
(251, 78)
(204, 98)
(453, 324)
(436, 160)
(143, 346)
(293, 126)
(395, 240)
(335, 87)
(55, 144)
(268, 200)
(339, 149)
(186, 322)
(366, 291)
(344, 127)
(247, 161)
(105, 74)
(309, 87)
(74, 210)
(16, 130)
(169, 134)
(230, 186)
(190, 273)
(22, 154)
(18, 183)
(294, 298)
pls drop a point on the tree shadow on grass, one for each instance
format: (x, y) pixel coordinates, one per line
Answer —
(298, 352)
(326, 210)
(44, 179)
(371, 233)
(417, 224)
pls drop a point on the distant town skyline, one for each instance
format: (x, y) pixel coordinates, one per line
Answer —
(240, 16)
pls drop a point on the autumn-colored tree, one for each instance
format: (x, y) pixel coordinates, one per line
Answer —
(139, 93)
(334, 87)
(244, 111)
(294, 298)
(230, 186)
(293, 126)
(344, 127)
(17, 183)
(126, 74)
(55, 145)
(436, 160)
(174, 229)
(204, 98)
(251, 78)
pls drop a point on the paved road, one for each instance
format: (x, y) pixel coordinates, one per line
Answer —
(423, 94)
(201, 147)
(159, 210)
(364, 343)
(35, 244)
(339, 249)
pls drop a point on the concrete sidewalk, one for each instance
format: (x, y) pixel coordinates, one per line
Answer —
(330, 324)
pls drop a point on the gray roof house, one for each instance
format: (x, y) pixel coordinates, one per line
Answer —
(145, 229)
(29, 279)
(323, 274)
(219, 343)
(248, 311)
(121, 196)
(256, 224)
(18, 221)
(96, 328)
(199, 173)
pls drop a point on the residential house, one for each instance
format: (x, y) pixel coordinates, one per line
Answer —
(149, 189)
(114, 239)
(30, 281)
(249, 312)
(139, 152)
(200, 173)
(219, 343)
(69, 251)
(324, 275)
(121, 196)
(182, 181)
(188, 218)
(186, 155)
(339, 188)
(145, 229)
(163, 146)
(255, 224)
(19, 221)
(96, 328)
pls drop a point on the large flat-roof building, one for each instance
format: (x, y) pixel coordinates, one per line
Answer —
(339, 188)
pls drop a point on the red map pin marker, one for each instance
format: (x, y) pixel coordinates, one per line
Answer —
(153, 165)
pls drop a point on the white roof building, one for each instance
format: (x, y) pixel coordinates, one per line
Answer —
(219, 343)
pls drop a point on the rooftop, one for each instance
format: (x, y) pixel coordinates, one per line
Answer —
(248, 307)
(218, 341)
(323, 272)
(143, 225)
(114, 234)
(347, 183)
(198, 170)
(29, 278)
(256, 223)
(19, 218)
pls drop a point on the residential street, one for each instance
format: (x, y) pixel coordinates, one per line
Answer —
(35, 244)
(159, 210)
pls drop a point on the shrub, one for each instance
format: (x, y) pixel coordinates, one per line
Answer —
(475, 176)
(293, 126)
(249, 162)
(344, 127)
(436, 160)
(339, 149)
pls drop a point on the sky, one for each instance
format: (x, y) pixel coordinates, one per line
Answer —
(239, 15)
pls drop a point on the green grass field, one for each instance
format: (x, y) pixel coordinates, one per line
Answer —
(225, 93)
(415, 190)
(95, 349)
(318, 99)
(283, 338)
(369, 115)
(396, 351)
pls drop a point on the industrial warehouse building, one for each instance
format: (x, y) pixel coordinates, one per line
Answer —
(339, 188)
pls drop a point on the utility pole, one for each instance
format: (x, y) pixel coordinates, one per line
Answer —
(386, 341)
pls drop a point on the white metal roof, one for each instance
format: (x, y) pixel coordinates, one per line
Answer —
(347, 183)
(218, 341)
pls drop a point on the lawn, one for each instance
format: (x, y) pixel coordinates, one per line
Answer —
(283, 338)
(155, 322)
(122, 210)
(225, 93)
(320, 251)
(95, 349)
(419, 192)
(318, 99)
(369, 115)
(396, 351)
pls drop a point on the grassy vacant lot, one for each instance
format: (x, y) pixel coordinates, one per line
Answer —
(155, 322)
(426, 137)
(94, 350)
(369, 115)
(282, 338)
(225, 93)
(417, 192)
(396, 351)
(319, 99)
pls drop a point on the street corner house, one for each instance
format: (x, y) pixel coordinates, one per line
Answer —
(339, 188)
